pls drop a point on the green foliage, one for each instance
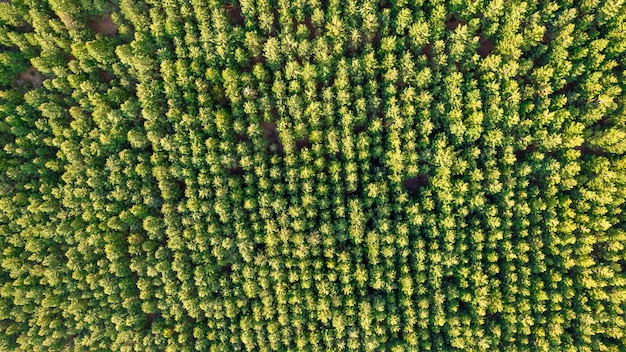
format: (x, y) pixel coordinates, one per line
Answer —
(312, 175)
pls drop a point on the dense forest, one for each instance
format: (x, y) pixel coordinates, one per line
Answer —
(312, 175)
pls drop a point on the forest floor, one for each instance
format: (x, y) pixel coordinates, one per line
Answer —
(32, 76)
(104, 25)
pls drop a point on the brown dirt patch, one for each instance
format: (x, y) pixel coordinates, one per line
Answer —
(237, 170)
(587, 150)
(240, 137)
(426, 51)
(309, 25)
(32, 76)
(234, 12)
(302, 143)
(270, 132)
(104, 25)
(521, 155)
(360, 128)
(271, 135)
(106, 75)
(565, 89)
(150, 317)
(227, 268)
(547, 37)
(453, 22)
(413, 184)
(24, 28)
(486, 47)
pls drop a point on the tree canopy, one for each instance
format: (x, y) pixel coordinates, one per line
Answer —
(295, 175)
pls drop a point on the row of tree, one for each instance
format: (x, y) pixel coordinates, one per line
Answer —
(312, 175)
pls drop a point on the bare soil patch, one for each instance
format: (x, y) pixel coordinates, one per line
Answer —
(234, 12)
(240, 137)
(31, 76)
(413, 184)
(587, 150)
(309, 25)
(270, 132)
(521, 155)
(547, 37)
(453, 22)
(24, 28)
(237, 170)
(104, 25)
(426, 51)
(106, 75)
(302, 143)
(567, 88)
(360, 128)
(486, 47)
(271, 135)
(150, 317)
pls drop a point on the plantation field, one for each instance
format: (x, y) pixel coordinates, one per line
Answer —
(312, 175)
